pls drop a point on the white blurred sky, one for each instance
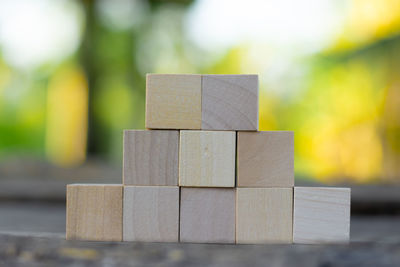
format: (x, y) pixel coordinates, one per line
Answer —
(308, 25)
(37, 32)
(43, 31)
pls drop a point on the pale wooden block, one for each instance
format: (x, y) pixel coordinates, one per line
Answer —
(151, 213)
(173, 101)
(230, 102)
(150, 157)
(94, 212)
(264, 215)
(207, 158)
(321, 215)
(207, 215)
(265, 159)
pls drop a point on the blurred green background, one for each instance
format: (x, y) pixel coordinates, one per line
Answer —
(72, 75)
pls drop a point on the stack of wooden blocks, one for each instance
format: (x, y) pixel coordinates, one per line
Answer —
(204, 173)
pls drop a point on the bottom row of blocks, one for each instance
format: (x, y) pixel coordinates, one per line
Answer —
(208, 215)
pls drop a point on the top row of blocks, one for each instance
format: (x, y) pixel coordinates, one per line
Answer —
(202, 102)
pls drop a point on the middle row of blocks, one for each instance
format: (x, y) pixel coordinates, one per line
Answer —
(208, 158)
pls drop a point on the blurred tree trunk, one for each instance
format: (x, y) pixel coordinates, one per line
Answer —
(86, 58)
(107, 55)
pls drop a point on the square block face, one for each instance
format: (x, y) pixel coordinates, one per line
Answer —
(173, 101)
(264, 215)
(150, 157)
(207, 215)
(207, 159)
(151, 213)
(94, 212)
(265, 159)
(230, 102)
(321, 215)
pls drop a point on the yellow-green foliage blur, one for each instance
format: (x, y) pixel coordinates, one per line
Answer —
(342, 99)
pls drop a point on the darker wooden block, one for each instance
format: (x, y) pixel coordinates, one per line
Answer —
(94, 212)
(207, 215)
(230, 102)
(150, 157)
(265, 159)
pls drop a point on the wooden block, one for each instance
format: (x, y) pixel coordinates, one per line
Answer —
(264, 215)
(321, 215)
(207, 158)
(173, 101)
(207, 215)
(230, 102)
(150, 157)
(151, 213)
(265, 159)
(94, 212)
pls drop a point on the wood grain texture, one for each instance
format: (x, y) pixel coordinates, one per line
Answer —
(321, 215)
(173, 101)
(265, 159)
(207, 158)
(94, 212)
(230, 102)
(151, 213)
(207, 215)
(264, 215)
(150, 157)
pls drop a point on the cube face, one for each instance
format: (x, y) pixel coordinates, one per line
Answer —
(207, 158)
(321, 215)
(150, 157)
(151, 213)
(264, 215)
(94, 212)
(207, 215)
(230, 102)
(265, 159)
(173, 101)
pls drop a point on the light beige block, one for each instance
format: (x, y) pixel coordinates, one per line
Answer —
(94, 212)
(207, 158)
(173, 101)
(151, 213)
(207, 215)
(265, 159)
(230, 102)
(264, 215)
(150, 157)
(321, 215)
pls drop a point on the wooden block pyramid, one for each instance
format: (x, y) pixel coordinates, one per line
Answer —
(203, 173)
